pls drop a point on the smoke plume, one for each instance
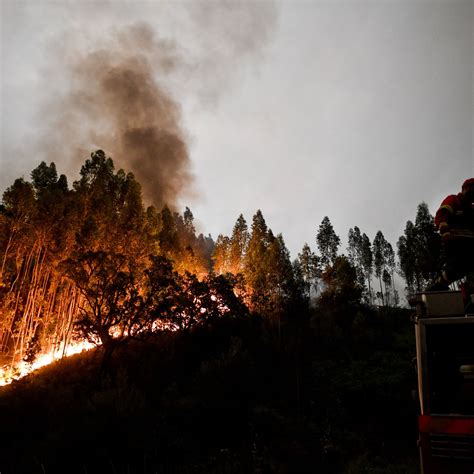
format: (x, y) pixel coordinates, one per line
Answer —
(115, 102)
(120, 90)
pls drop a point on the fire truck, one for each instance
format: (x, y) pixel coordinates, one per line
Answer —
(445, 367)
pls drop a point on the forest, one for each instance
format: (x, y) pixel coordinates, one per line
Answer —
(222, 355)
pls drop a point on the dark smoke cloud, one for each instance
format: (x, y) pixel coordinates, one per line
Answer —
(120, 91)
(115, 102)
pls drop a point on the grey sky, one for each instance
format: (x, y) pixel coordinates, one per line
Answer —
(356, 110)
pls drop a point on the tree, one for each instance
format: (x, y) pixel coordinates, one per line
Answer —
(367, 263)
(107, 283)
(238, 245)
(195, 255)
(407, 257)
(121, 300)
(309, 266)
(205, 246)
(220, 255)
(280, 284)
(360, 256)
(379, 247)
(109, 256)
(53, 202)
(188, 219)
(18, 213)
(387, 280)
(168, 236)
(384, 265)
(35, 232)
(255, 259)
(388, 272)
(44, 176)
(178, 242)
(354, 239)
(342, 293)
(198, 302)
(428, 244)
(328, 242)
(419, 250)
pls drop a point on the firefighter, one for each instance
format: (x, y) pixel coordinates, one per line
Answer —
(455, 222)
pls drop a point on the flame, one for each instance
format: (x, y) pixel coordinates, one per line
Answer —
(9, 374)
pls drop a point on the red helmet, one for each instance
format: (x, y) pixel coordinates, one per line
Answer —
(468, 182)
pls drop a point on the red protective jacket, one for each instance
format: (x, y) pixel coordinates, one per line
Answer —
(455, 214)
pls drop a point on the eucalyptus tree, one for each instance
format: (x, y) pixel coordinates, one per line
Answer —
(419, 250)
(328, 242)
(255, 258)
(238, 245)
(220, 255)
(280, 283)
(384, 266)
(355, 253)
(379, 246)
(309, 266)
(367, 263)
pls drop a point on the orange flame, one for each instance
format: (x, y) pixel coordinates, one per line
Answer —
(9, 374)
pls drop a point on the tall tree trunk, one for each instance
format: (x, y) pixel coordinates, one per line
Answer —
(370, 289)
(5, 255)
(381, 291)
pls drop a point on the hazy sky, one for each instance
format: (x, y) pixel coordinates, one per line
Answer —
(356, 110)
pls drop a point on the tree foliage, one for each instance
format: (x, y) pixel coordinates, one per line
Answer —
(360, 255)
(78, 262)
(384, 268)
(238, 245)
(92, 261)
(308, 264)
(419, 250)
(328, 243)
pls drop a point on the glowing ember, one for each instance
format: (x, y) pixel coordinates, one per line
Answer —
(9, 374)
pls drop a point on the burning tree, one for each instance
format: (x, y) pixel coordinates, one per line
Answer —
(108, 287)
(120, 300)
(203, 301)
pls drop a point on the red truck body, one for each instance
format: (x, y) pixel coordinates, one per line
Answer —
(445, 366)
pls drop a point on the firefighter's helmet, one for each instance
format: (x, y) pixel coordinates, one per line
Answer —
(469, 182)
